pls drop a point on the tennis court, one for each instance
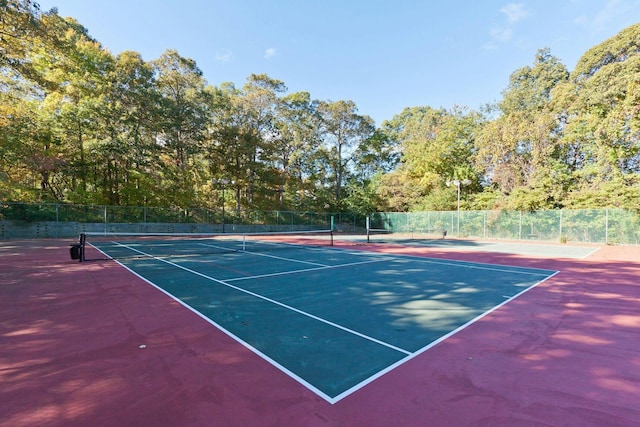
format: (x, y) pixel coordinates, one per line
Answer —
(294, 331)
(333, 319)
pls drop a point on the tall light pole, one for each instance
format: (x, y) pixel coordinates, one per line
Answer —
(458, 184)
(222, 183)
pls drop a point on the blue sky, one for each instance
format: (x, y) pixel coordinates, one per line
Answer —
(383, 55)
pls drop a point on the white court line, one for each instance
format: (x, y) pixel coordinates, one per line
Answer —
(288, 307)
(591, 253)
(481, 266)
(285, 273)
(265, 255)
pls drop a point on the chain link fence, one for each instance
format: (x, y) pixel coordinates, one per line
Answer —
(25, 220)
(610, 226)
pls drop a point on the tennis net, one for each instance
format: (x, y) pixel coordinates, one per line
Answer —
(127, 245)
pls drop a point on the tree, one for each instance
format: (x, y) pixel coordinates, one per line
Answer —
(184, 109)
(376, 154)
(436, 146)
(128, 153)
(520, 147)
(342, 130)
(59, 77)
(19, 30)
(296, 137)
(27, 149)
(599, 104)
(244, 137)
(259, 108)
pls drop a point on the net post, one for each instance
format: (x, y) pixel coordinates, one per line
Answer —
(333, 222)
(83, 239)
(368, 226)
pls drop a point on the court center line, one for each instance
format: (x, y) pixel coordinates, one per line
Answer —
(288, 307)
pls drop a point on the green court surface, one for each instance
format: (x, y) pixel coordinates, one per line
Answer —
(333, 319)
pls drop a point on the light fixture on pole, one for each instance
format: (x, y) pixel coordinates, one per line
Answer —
(222, 183)
(458, 184)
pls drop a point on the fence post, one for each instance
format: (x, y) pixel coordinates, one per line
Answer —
(520, 227)
(484, 224)
(606, 226)
(452, 224)
(560, 236)
(57, 222)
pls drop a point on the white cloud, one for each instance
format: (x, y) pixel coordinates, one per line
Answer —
(501, 34)
(270, 53)
(514, 12)
(224, 55)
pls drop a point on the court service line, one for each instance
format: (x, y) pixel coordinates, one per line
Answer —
(266, 255)
(285, 273)
(482, 266)
(288, 307)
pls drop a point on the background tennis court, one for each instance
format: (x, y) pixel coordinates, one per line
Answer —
(334, 319)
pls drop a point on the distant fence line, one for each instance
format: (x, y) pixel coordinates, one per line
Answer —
(34, 220)
(610, 226)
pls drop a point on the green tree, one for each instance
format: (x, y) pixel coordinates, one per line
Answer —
(520, 147)
(184, 116)
(295, 138)
(436, 146)
(30, 158)
(599, 105)
(244, 138)
(342, 130)
(20, 29)
(127, 155)
(374, 155)
(60, 79)
(259, 109)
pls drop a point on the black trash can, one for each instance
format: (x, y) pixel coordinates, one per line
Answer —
(76, 251)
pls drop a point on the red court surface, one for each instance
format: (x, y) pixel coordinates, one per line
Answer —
(90, 344)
